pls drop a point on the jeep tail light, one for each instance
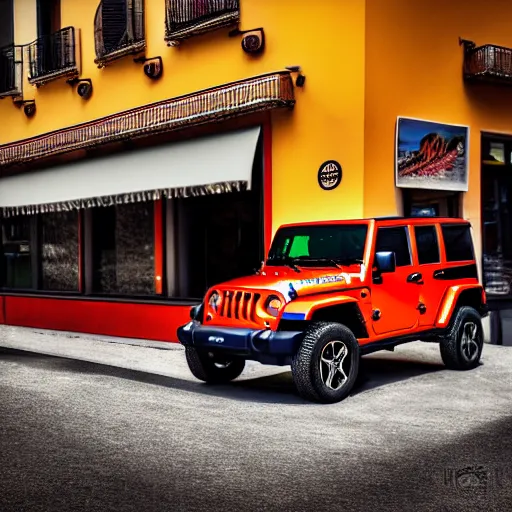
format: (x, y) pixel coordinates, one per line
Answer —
(273, 305)
(214, 301)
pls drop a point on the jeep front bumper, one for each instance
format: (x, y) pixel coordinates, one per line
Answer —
(266, 346)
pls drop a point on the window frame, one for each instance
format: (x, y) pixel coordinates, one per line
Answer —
(439, 252)
(136, 41)
(405, 227)
(457, 225)
(199, 24)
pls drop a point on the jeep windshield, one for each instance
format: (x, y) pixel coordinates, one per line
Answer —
(318, 245)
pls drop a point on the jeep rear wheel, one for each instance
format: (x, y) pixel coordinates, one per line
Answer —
(326, 365)
(461, 349)
(213, 369)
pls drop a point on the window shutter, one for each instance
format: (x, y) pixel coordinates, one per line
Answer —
(114, 20)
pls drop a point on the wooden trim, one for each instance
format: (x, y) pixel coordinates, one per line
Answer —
(267, 186)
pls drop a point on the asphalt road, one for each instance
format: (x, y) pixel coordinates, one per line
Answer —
(76, 435)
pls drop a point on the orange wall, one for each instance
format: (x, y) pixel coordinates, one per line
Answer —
(414, 69)
(326, 38)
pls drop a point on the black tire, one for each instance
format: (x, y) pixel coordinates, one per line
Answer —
(310, 373)
(459, 352)
(214, 370)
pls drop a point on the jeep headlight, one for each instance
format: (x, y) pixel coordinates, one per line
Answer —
(214, 300)
(274, 304)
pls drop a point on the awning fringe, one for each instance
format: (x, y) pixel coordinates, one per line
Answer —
(134, 197)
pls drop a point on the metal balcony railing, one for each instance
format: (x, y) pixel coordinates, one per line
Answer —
(11, 71)
(118, 29)
(187, 18)
(489, 62)
(54, 56)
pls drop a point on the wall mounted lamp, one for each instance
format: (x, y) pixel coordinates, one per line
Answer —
(153, 66)
(84, 89)
(253, 41)
(300, 80)
(29, 106)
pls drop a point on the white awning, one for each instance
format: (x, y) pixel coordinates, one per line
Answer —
(206, 165)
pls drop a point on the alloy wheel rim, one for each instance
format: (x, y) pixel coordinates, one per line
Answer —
(334, 365)
(469, 343)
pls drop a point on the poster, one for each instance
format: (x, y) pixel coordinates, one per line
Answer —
(431, 155)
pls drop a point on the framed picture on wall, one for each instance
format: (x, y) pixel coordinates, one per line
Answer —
(431, 155)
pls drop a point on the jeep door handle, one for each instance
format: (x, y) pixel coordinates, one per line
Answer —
(415, 277)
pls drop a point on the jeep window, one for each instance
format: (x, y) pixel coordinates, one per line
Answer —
(457, 242)
(395, 240)
(325, 244)
(427, 244)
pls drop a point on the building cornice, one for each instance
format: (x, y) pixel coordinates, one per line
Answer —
(263, 92)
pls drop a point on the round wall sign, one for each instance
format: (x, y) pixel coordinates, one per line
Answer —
(329, 175)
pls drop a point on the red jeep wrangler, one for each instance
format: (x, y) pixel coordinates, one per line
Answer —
(330, 292)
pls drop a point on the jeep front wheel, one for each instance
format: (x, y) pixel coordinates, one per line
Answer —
(326, 365)
(213, 369)
(461, 349)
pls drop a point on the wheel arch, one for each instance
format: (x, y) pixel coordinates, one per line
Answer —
(458, 296)
(345, 311)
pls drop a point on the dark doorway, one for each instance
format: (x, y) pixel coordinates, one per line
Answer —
(48, 17)
(6, 23)
(220, 236)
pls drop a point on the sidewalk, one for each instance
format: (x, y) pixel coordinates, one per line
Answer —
(159, 358)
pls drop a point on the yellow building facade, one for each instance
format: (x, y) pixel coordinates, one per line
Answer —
(310, 91)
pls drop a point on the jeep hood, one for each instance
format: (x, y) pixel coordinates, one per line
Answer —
(308, 281)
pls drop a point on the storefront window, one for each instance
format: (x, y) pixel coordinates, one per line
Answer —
(59, 251)
(123, 249)
(17, 252)
(220, 238)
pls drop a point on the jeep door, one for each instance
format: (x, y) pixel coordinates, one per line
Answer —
(428, 255)
(394, 298)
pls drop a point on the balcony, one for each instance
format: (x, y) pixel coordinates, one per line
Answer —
(188, 18)
(11, 71)
(54, 56)
(118, 30)
(487, 63)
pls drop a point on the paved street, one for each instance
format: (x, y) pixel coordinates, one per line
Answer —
(120, 427)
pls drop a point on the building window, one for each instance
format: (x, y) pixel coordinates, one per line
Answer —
(427, 244)
(458, 243)
(118, 29)
(59, 251)
(17, 245)
(187, 18)
(123, 249)
(53, 54)
(395, 240)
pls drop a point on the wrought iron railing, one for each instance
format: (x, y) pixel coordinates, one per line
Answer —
(118, 29)
(11, 71)
(53, 56)
(187, 18)
(487, 62)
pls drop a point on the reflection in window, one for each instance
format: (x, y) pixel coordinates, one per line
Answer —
(59, 251)
(17, 252)
(458, 243)
(123, 249)
(394, 240)
(427, 244)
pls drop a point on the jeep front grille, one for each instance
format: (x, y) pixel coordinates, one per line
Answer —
(239, 305)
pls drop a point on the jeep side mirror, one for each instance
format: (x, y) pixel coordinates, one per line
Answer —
(385, 261)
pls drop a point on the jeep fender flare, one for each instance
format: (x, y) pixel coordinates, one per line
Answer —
(451, 299)
(304, 308)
